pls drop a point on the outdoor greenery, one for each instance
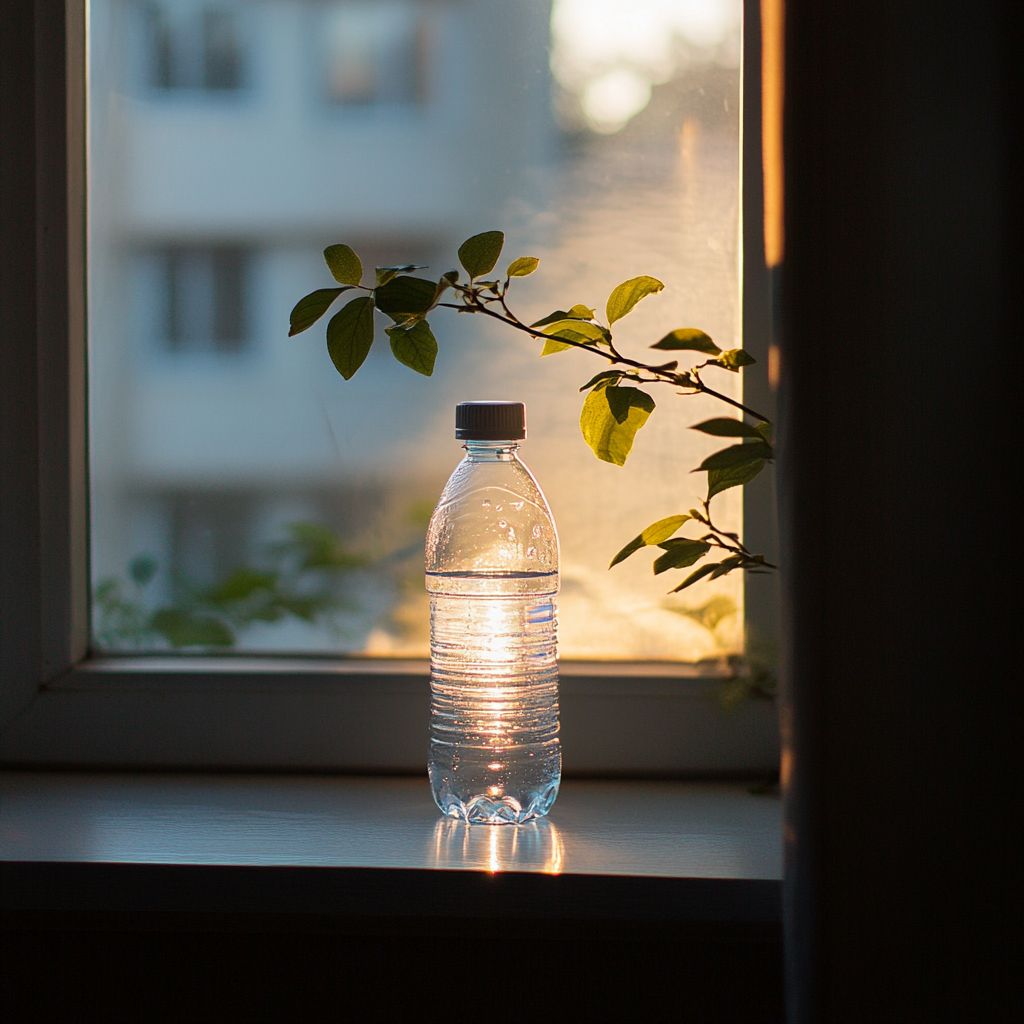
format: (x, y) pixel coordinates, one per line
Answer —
(295, 577)
(614, 409)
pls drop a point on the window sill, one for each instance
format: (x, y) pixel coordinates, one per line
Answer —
(665, 850)
(248, 897)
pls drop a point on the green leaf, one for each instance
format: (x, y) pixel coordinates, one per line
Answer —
(479, 253)
(653, 534)
(406, 296)
(551, 346)
(522, 267)
(704, 570)
(688, 339)
(444, 283)
(589, 331)
(611, 417)
(415, 347)
(579, 332)
(186, 629)
(318, 548)
(581, 312)
(344, 264)
(242, 583)
(679, 553)
(727, 565)
(602, 379)
(722, 479)
(734, 358)
(142, 568)
(764, 428)
(311, 307)
(726, 427)
(385, 274)
(737, 455)
(626, 295)
(350, 335)
(576, 313)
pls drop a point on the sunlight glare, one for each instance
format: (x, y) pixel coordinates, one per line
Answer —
(609, 54)
(610, 101)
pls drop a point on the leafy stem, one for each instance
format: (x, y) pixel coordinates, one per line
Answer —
(474, 302)
(613, 410)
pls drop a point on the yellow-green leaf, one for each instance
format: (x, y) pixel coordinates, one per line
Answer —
(581, 312)
(688, 339)
(479, 253)
(653, 534)
(734, 358)
(415, 347)
(522, 267)
(680, 553)
(610, 419)
(626, 295)
(587, 331)
(344, 264)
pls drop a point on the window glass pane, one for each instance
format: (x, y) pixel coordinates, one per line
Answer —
(244, 496)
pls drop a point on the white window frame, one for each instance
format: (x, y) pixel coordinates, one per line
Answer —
(59, 705)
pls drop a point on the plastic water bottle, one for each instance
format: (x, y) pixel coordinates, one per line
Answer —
(492, 576)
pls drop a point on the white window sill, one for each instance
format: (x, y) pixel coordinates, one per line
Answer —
(86, 842)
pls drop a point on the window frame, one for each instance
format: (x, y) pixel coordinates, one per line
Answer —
(59, 705)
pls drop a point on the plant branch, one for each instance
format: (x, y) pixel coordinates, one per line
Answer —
(472, 304)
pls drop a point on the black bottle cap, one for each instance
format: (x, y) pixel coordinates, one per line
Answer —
(490, 421)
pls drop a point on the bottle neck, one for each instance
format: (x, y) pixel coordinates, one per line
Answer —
(491, 451)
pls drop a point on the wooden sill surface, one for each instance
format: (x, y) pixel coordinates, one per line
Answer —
(703, 851)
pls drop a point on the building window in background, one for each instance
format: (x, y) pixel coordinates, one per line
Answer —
(375, 54)
(203, 298)
(193, 46)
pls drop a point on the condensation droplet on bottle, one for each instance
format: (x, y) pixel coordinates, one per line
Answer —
(536, 530)
(518, 505)
(502, 523)
(486, 503)
(497, 508)
(531, 552)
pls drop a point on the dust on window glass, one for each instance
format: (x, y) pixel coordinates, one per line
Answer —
(244, 496)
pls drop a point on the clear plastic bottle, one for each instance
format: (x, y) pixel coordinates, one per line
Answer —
(492, 576)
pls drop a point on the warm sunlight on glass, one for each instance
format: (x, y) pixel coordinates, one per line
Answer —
(611, 100)
(610, 54)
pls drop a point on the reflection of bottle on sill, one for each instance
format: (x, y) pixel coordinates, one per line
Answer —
(535, 846)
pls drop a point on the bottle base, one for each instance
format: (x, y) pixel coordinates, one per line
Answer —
(483, 809)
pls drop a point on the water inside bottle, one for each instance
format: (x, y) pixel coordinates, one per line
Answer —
(495, 755)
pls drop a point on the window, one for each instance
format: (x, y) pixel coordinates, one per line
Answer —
(190, 45)
(200, 298)
(206, 471)
(375, 53)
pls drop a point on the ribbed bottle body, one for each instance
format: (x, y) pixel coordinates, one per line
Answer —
(495, 754)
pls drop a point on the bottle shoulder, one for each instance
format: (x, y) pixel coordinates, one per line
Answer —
(492, 517)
